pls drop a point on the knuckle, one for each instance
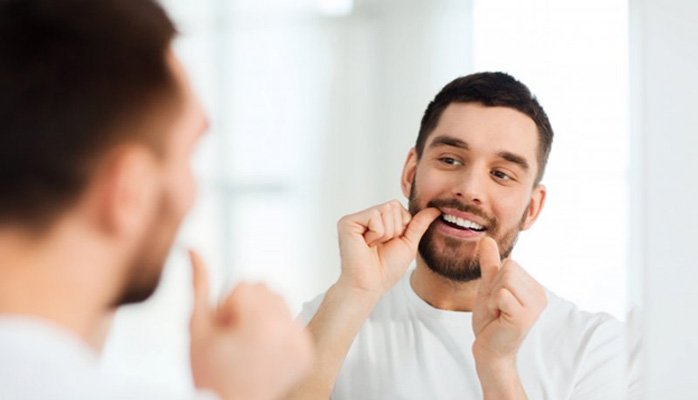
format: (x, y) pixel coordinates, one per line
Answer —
(379, 230)
(502, 294)
(520, 329)
(510, 266)
(241, 288)
(506, 275)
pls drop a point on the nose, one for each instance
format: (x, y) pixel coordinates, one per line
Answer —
(470, 186)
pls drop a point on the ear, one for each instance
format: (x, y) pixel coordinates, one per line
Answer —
(408, 172)
(129, 191)
(535, 206)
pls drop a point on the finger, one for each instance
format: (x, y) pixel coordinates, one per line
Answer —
(418, 225)
(375, 228)
(389, 224)
(227, 308)
(508, 305)
(406, 217)
(201, 312)
(490, 262)
(242, 300)
(399, 223)
(520, 283)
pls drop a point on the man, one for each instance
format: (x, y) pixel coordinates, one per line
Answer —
(468, 322)
(99, 124)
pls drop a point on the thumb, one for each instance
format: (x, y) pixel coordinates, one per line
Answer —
(201, 311)
(419, 224)
(490, 261)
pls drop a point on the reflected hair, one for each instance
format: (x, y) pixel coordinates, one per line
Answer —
(491, 89)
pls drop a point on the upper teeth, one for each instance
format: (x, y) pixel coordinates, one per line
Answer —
(462, 222)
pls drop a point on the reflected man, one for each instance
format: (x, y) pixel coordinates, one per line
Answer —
(468, 322)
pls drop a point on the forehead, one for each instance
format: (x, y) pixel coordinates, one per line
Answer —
(488, 129)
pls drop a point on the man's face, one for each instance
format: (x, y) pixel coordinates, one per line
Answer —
(478, 167)
(176, 197)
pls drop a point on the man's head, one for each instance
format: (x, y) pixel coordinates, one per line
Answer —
(492, 89)
(97, 121)
(480, 155)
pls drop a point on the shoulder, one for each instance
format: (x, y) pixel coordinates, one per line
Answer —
(578, 335)
(564, 314)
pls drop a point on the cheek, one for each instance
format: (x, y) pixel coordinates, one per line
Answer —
(188, 191)
(182, 189)
(510, 209)
(431, 185)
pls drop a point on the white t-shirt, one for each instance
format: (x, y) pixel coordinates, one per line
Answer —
(41, 361)
(408, 349)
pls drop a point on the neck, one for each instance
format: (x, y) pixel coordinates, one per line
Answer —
(59, 277)
(441, 292)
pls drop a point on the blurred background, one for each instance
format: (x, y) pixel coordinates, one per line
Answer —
(314, 105)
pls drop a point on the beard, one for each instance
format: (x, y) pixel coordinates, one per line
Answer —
(452, 258)
(145, 269)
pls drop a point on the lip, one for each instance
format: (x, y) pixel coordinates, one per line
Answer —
(464, 215)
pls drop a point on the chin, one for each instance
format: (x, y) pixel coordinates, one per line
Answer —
(142, 282)
(138, 293)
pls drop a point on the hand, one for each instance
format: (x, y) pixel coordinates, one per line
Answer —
(377, 245)
(250, 347)
(508, 303)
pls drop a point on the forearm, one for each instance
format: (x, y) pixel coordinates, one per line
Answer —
(333, 328)
(499, 379)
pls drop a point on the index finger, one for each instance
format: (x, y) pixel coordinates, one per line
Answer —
(490, 261)
(201, 309)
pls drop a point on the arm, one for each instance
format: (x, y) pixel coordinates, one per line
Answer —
(376, 247)
(508, 303)
(333, 328)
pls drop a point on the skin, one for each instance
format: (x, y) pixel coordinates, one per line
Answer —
(473, 166)
(248, 347)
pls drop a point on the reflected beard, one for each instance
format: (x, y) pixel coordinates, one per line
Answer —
(452, 258)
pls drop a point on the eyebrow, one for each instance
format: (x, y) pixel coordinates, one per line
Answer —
(445, 140)
(449, 141)
(514, 158)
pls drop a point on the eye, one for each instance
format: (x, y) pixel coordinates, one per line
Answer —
(502, 176)
(450, 161)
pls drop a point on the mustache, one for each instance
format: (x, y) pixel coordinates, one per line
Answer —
(467, 208)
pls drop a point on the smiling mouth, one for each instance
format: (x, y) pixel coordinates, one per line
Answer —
(461, 223)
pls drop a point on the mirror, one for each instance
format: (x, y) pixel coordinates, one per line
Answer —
(315, 104)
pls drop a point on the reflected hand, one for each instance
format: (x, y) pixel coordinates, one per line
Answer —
(377, 245)
(508, 303)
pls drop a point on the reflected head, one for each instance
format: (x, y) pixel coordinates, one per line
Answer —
(490, 89)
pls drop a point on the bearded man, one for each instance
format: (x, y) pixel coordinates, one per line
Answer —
(468, 322)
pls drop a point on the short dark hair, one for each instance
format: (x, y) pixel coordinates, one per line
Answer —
(490, 89)
(76, 77)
